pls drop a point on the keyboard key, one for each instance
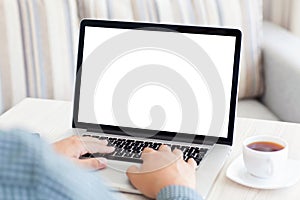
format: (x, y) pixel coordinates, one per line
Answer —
(135, 148)
(128, 154)
(137, 155)
(184, 148)
(175, 147)
(120, 153)
(127, 147)
(147, 144)
(87, 155)
(195, 149)
(185, 157)
(135, 145)
(198, 160)
(195, 155)
(203, 150)
(190, 151)
(136, 151)
(156, 146)
(139, 142)
(118, 144)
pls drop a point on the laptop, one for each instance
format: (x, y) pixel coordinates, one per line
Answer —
(143, 85)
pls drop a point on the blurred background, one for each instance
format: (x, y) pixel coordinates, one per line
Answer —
(39, 39)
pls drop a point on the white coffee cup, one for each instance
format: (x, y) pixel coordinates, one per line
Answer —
(265, 164)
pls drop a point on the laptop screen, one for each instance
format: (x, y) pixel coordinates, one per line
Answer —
(157, 78)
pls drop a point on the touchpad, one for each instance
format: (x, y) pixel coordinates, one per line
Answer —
(114, 176)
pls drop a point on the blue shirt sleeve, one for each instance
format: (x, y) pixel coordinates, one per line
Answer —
(178, 193)
(30, 169)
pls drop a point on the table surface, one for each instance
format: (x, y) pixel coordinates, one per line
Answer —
(52, 119)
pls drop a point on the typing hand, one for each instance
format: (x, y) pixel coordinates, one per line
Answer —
(76, 146)
(160, 169)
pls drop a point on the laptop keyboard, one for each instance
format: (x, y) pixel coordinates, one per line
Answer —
(130, 150)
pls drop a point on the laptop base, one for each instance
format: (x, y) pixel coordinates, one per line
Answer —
(115, 173)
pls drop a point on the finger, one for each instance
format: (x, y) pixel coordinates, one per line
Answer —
(92, 139)
(164, 148)
(88, 145)
(178, 152)
(97, 148)
(148, 150)
(192, 163)
(93, 163)
(94, 148)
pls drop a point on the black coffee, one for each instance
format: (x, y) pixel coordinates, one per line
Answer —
(265, 146)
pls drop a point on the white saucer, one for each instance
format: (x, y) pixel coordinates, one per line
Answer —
(238, 173)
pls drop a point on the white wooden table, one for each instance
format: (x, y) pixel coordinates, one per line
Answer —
(52, 119)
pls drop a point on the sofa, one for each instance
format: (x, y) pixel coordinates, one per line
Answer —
(39, 45)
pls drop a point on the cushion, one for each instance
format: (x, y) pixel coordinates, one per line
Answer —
(243, 14)
(250, 108)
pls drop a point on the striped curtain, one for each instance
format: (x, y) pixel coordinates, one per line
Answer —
(37, 54)
(284, 13)
(39, 39)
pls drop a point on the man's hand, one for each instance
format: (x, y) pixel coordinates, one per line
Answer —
(76, 146)
(160, 169)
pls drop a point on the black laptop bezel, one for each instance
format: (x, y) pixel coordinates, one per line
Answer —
(181, 137)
